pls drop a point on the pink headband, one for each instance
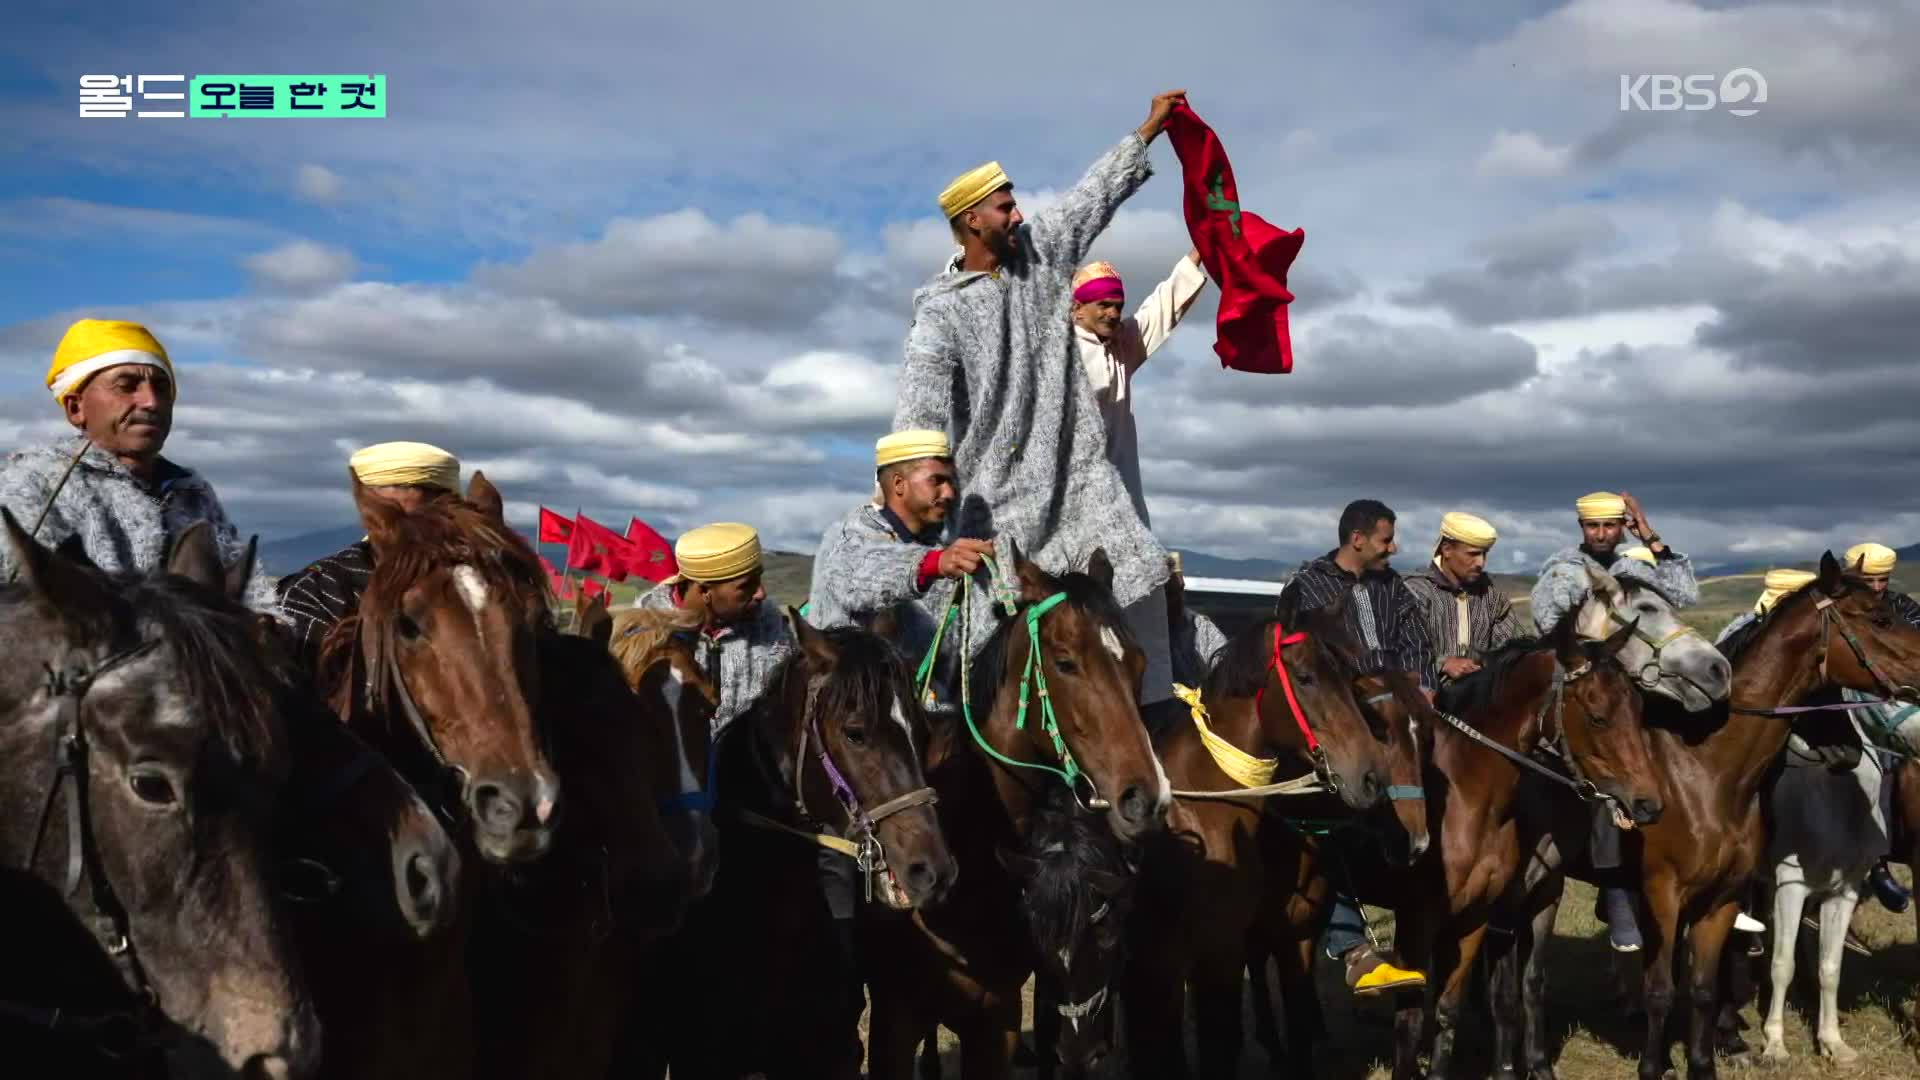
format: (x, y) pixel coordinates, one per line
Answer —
(1100, 288)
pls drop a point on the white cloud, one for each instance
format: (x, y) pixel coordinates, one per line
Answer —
(1523, 154)
(301, 266)
(318, 184)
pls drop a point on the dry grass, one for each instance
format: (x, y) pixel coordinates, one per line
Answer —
(1598, 1039)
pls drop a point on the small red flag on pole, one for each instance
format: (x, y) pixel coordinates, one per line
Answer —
(597, 549)
(649, 554)
(554, 529)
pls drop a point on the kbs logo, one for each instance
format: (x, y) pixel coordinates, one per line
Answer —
(1740, 91)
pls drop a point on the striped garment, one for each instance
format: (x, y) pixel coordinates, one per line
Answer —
(316, 599)
(1382, 614)
(1489, 617)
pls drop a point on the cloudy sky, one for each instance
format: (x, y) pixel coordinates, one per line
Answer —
(657, 259)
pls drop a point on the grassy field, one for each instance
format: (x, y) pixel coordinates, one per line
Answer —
(1596, 1036)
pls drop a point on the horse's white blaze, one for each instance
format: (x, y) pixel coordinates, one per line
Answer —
(472, 588)
(899, 713)
(1112, 641)
(670, 693)
(1165, 795)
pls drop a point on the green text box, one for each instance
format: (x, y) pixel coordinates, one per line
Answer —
(242, 96)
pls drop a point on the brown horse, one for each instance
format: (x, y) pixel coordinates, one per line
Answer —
(1055, 685)
(372, 883)
(1694, 864)
(821, 776)
(439, 667)
(146, 760)
(1272, 688)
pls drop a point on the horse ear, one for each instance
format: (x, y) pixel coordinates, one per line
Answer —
(1602, 582)
(1832, 579)
(1620, 637)
(60, 589)
(1035, 584)
(1100, 568)
(240, 573)
(380, 517)
(596, 625)
(819, 651)
(196, 557)
(481, 493)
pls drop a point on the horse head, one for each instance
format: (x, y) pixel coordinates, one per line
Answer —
(847, 720)
(1064, 675)
(1599, 714)
(142, 725)
(655, 651)
(1664, 655)
(1834, 632)
(1312, 651)
(1399, 716)
(446, 636)
(1076, 890)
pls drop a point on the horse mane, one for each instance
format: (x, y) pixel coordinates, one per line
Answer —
(1742, 639)
(1063, 843)
(867, 678)
(1243, 664)
(1084, 594)
(638, 631)
(234, 684)
(444, 532)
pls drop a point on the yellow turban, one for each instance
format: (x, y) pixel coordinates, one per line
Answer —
(1601, 506)
(1094, 271)
(1778, 584)
(1878, 559)
(1468, 529)
(1641, 552)
(417, 464)
(718, 552)
(94, 345)
(910, 446)
(970, 187)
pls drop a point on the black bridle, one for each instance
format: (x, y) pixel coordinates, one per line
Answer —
(1831, 620)
(114, 1033)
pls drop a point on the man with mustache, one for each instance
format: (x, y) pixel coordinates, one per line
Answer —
(111, 488)
(886, 554)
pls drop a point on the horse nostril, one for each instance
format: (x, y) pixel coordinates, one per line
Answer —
(494, 808)
(921, 878)
(422, 884)
(1134, 804)
(1646, 811)
(1370, 784)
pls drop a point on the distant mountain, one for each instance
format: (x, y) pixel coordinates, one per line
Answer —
(291, 554)
(1201, 564)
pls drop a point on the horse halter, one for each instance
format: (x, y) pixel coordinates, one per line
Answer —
(456, 777)
(1830, 620)
(863, 825)
(116, 1034)
(1322, 768)
(1640, 677)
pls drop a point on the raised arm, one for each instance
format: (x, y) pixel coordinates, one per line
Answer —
(1064, 233)
(1168, 303)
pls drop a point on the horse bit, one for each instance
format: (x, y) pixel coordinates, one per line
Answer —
(116, 1034)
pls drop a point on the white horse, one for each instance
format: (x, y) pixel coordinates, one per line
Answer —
(1829, 830)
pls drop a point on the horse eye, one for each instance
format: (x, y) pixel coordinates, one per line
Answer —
(856, 735)
(1304, 679)
(407, 628)
(1065, 665)
(152, 787)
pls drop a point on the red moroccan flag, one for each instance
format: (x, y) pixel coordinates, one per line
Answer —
(649, 554)
(592, 588)
(1247, 257)
(597, 549)
(554, 529)
(561, 585)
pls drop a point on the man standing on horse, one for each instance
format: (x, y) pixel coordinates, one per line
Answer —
(1873, 565)
(742, 640)
(1385, 617)
(1468, 617)
(1604, 519)
(886, 555)
(111, 487)
(991, 359)
(318, 598)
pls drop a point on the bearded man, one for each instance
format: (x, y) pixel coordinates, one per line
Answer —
(1468, 617)
(111, 487)
(991, 359)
